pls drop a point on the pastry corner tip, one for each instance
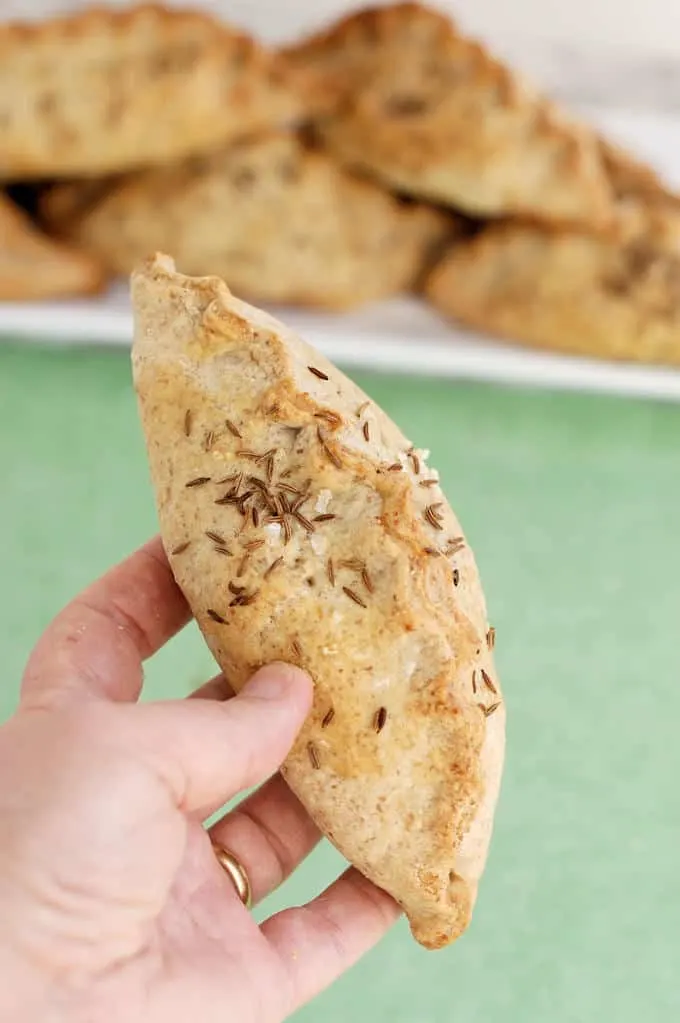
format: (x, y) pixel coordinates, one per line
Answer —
(154, 265)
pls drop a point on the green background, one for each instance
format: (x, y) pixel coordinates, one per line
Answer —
(572, 505)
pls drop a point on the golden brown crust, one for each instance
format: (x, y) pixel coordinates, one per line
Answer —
(61, 207)
(107, 90)
(647, 211)
(406, 97)
(33, 266)
(280, 223)
(569, 291)
(632, 177)
(315, 549)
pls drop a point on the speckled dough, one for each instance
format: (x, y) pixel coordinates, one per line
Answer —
(33, 266)
(613, 298)
(104, 90)
(277, 221)
(301, 525)
(406, 97)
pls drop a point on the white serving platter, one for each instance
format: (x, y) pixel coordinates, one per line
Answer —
(402, 335)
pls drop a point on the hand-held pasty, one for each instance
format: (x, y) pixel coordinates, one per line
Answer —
(302, 526)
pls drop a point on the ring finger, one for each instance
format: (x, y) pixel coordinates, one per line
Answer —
(270, 833)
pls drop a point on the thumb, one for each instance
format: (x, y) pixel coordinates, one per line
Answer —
(208, 751)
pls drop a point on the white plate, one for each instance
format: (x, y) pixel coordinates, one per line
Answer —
(402, 335)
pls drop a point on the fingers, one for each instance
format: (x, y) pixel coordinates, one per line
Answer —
(208, 751)
(320, 941)
(216, 689)
(97, 644)
(271, 833)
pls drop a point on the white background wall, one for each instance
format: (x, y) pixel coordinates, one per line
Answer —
(635, 23)
(643, 25)
(647, 24)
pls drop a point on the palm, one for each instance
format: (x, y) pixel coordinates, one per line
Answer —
(205, 942)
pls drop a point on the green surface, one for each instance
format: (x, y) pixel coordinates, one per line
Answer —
(571, 504)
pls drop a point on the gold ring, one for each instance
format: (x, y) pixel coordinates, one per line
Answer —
(236, 872)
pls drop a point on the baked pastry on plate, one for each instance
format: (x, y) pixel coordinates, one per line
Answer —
(33, 266)
(605, 297)
(279, 222)
(401, 94)
(106, 90)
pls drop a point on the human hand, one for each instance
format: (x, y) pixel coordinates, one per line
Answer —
(112, 903)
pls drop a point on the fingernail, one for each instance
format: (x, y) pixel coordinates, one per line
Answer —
(275, 681)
